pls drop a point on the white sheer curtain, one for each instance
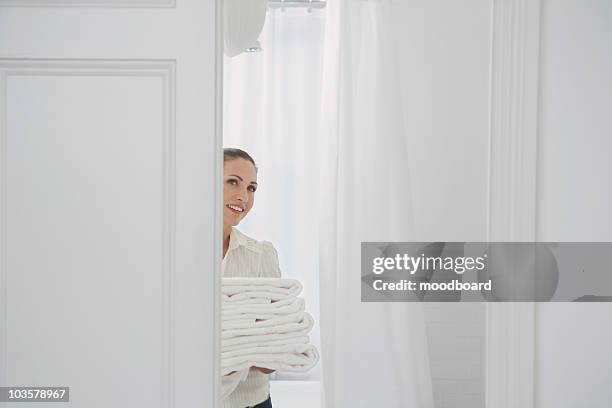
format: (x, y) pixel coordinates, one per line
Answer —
(324, 189)
(272, 110)
(374, 354)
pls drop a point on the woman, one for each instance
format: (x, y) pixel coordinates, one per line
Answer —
(245, 257)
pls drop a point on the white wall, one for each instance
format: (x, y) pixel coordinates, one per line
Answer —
(575, 121)
(574, 361)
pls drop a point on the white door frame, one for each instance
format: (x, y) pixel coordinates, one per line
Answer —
(218, 199)
(510, 329)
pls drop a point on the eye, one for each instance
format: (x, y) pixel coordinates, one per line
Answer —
(232, 182)
(252, 188)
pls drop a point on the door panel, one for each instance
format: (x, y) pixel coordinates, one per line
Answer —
(110, 152)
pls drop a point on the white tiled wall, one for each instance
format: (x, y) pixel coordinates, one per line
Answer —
(456, 334)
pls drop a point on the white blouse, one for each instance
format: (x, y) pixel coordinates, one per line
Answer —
(247, 257)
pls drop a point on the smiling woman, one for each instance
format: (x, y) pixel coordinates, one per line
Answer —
(239, 186)
(245, 257)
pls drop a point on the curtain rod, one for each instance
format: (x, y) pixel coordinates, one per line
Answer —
(296, 3)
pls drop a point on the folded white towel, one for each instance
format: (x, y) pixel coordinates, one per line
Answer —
(248, 323)
(258, 303)
(291, 286)
(247, 296)
(294, 323)
(263, 325)
(303, 360)
(234, 289)
(250, 341)
(244, 301)
(267, 341)
(262, 311)
(292, 348)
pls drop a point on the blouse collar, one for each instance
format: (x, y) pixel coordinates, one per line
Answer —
(237, 239)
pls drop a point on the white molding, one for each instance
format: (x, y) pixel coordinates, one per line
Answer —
(165, 71)
(218, 212)
(90, 3)
(3, 252)
(514, 118)
(88, 67)
(512, 191)
(510, 345)
(169, 230)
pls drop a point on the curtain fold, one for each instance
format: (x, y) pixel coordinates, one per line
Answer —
(373, 354)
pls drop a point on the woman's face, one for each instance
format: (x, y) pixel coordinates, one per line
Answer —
(239, 185)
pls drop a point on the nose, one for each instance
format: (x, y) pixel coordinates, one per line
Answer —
(242, 196)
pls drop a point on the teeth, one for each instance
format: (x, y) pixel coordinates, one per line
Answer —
(233, 207)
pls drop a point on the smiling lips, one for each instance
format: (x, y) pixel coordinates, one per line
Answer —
(235, 208)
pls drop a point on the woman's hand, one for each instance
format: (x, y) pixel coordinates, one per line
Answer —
(264, 370)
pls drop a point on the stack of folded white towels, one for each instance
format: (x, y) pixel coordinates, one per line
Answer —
(263, 325)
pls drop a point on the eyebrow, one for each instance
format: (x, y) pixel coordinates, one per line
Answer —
(240, 178)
